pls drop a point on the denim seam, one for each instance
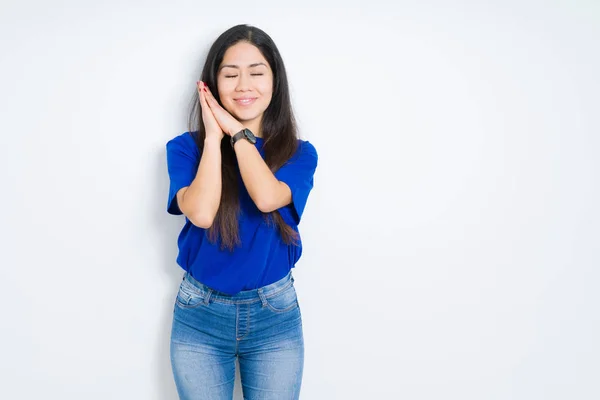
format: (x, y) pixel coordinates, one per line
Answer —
(182, 305)
(189, 287)
(277, 310)
(217, 299)
(203, 294)
(188, 298)
(248, 328)
(237, 320)
(287, 285)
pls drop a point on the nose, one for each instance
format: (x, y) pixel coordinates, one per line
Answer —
(243, 83)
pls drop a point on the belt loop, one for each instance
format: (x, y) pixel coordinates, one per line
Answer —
(263, 299)
(207, 298)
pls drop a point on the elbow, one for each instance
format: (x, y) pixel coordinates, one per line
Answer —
(266, 206)
(201, 220)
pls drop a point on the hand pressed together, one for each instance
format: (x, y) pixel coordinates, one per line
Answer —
(211, 126)
(226, 122)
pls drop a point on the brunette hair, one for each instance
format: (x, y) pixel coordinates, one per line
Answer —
(278, 131)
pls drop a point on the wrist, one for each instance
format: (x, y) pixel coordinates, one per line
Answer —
(212, 141)
(236, 130)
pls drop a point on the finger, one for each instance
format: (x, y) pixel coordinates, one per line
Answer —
(201, 95)
(209, 97)
(212, 101)
(209, 94)
(199, 89)
(204, 93)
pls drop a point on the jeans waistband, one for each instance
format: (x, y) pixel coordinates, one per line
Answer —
(245, 296)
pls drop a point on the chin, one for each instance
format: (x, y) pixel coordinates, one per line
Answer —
(247, 115)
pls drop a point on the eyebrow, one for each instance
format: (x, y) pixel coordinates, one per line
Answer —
(237, 66)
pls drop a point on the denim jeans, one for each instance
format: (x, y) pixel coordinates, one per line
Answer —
(261, 327)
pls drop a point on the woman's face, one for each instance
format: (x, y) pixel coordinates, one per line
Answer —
(245, 84)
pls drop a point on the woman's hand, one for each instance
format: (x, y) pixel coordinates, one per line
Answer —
(226, 121)
(211, 126)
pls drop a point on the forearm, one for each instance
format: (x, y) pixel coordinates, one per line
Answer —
(263, 187)
(200, 201)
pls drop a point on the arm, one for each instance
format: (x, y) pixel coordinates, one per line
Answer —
(267, 192)
(200, 201)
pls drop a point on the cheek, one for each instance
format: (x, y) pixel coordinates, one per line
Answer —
(266, 90)
(267, 100)
(224, 89)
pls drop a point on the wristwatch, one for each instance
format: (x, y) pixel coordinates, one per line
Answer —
(243, 134)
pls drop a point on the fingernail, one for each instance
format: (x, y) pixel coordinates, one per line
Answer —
(204, 83)
(205, 90)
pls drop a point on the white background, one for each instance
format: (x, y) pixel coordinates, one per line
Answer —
(451, 241)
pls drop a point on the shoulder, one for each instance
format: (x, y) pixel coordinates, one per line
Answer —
(183, 143)
(306, 150)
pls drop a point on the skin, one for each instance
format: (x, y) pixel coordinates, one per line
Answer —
(243, 73)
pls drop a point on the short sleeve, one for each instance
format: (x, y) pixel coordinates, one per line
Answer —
(183, 158)
(298, 174)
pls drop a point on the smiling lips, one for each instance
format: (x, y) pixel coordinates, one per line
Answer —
(245, 101)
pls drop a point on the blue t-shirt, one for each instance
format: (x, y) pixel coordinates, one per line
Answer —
(263, 257)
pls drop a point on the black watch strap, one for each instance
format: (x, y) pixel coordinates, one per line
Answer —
(243, 134)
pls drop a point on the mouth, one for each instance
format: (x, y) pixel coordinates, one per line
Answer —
(246, 101)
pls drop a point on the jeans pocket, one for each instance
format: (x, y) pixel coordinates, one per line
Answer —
(188, 295)
(283, 301)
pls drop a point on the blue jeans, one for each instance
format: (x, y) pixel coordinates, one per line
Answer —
(261, 327)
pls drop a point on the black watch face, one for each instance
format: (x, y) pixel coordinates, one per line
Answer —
(250, 136)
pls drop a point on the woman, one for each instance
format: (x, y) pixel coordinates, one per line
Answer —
(242, 180)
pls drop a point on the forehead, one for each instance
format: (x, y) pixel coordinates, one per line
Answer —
(243, 54)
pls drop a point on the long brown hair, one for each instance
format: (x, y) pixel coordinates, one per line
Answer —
(278, 130)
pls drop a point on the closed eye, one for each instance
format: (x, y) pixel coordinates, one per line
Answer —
(233, 76)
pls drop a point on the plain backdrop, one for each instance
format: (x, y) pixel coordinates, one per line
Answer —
(452, 240)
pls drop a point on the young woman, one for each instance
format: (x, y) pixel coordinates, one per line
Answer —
(242, 179)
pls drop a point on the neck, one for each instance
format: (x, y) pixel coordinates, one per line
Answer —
(254, 126)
